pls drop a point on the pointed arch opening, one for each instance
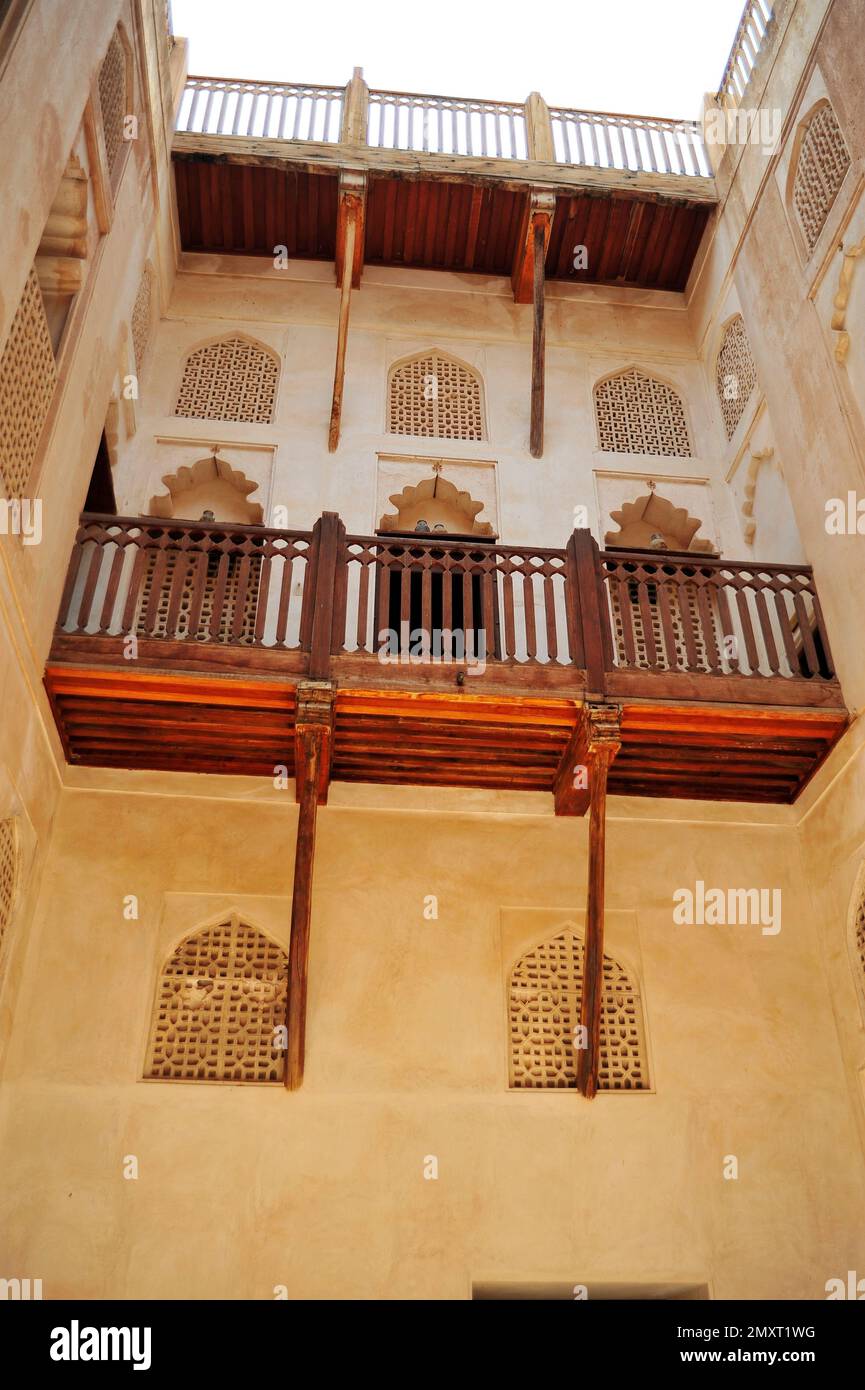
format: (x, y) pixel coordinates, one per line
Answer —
(544, 996)
(231, 378)
(638, 413)
(437, 396)
(220, 1007)
(735, 373)
(817, 170)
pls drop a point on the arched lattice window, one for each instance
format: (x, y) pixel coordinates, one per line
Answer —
(142, 313)
(220, 1005)
(735, 374)
(27, 378)
(545, 991)
(114, 98)
(233, 379)
(8, 871)
(638, 414)
(820, 168)
(435, 396)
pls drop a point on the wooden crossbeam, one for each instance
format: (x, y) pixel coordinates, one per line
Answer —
(312, 752)
(602, 742)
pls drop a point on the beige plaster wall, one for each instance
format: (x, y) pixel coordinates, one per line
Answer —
(241, 1189)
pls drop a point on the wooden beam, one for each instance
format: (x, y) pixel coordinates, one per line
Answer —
(320, 157)
(342, 329)
(602, 739)
(311, 769)
(536, 439)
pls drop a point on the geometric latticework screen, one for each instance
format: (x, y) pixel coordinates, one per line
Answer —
(141, 314)
(680, 596)
(638, 414)
(158, 625)
(8, 871)
(735, 374)
(544, 1000)
(230, 380)
(436, 397)
(220, 1001)
(112, 99)
(28, 375)
(823, 161)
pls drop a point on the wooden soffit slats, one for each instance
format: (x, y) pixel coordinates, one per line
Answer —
(183, 721)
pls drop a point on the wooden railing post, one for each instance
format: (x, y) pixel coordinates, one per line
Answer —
(589, 608)
(355, 111)
(539, 129)
(329, 541)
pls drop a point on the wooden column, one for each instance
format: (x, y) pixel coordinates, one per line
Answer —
(312, 739)
(328, 562)
(538, 346)
(342, 332)
(602, 725)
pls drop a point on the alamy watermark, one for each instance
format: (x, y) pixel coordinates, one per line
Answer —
(731, 907)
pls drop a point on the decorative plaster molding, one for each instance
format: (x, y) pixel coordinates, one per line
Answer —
(758, 456)
(842, 299)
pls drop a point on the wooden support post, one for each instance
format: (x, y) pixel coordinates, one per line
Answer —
(328, 541)
(312, 741)
(342, 329)
(602, 742)
(590, 608)
(536, 444)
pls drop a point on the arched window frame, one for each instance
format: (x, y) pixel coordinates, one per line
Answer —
(656, 379)
(808, 244)
(437, 355)
(730, 419)
(570, 1014)
(115, 156)
(269, 997)
(222, 340)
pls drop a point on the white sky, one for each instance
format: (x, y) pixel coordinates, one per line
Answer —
(641, 57)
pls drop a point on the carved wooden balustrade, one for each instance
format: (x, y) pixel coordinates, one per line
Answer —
(750, 38)
(220, 594)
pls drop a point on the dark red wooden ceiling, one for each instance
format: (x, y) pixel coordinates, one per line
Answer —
(435, 225)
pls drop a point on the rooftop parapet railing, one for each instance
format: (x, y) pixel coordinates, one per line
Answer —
(266, 110)
(648, 144)
(463, 127)
(747, 44)
(447, 125)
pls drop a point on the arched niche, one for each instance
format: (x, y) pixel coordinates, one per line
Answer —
(651, 522)
(208, 485)
(441, 504)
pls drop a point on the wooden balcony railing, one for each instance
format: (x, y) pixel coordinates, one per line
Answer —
(615, 621)
(447, 125)
(749, 39)
(644, 144)
(442, 125)
(267, 110)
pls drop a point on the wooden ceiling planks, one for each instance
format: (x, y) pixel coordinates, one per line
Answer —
(435, 224)
(188, 722)
(248, 210)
